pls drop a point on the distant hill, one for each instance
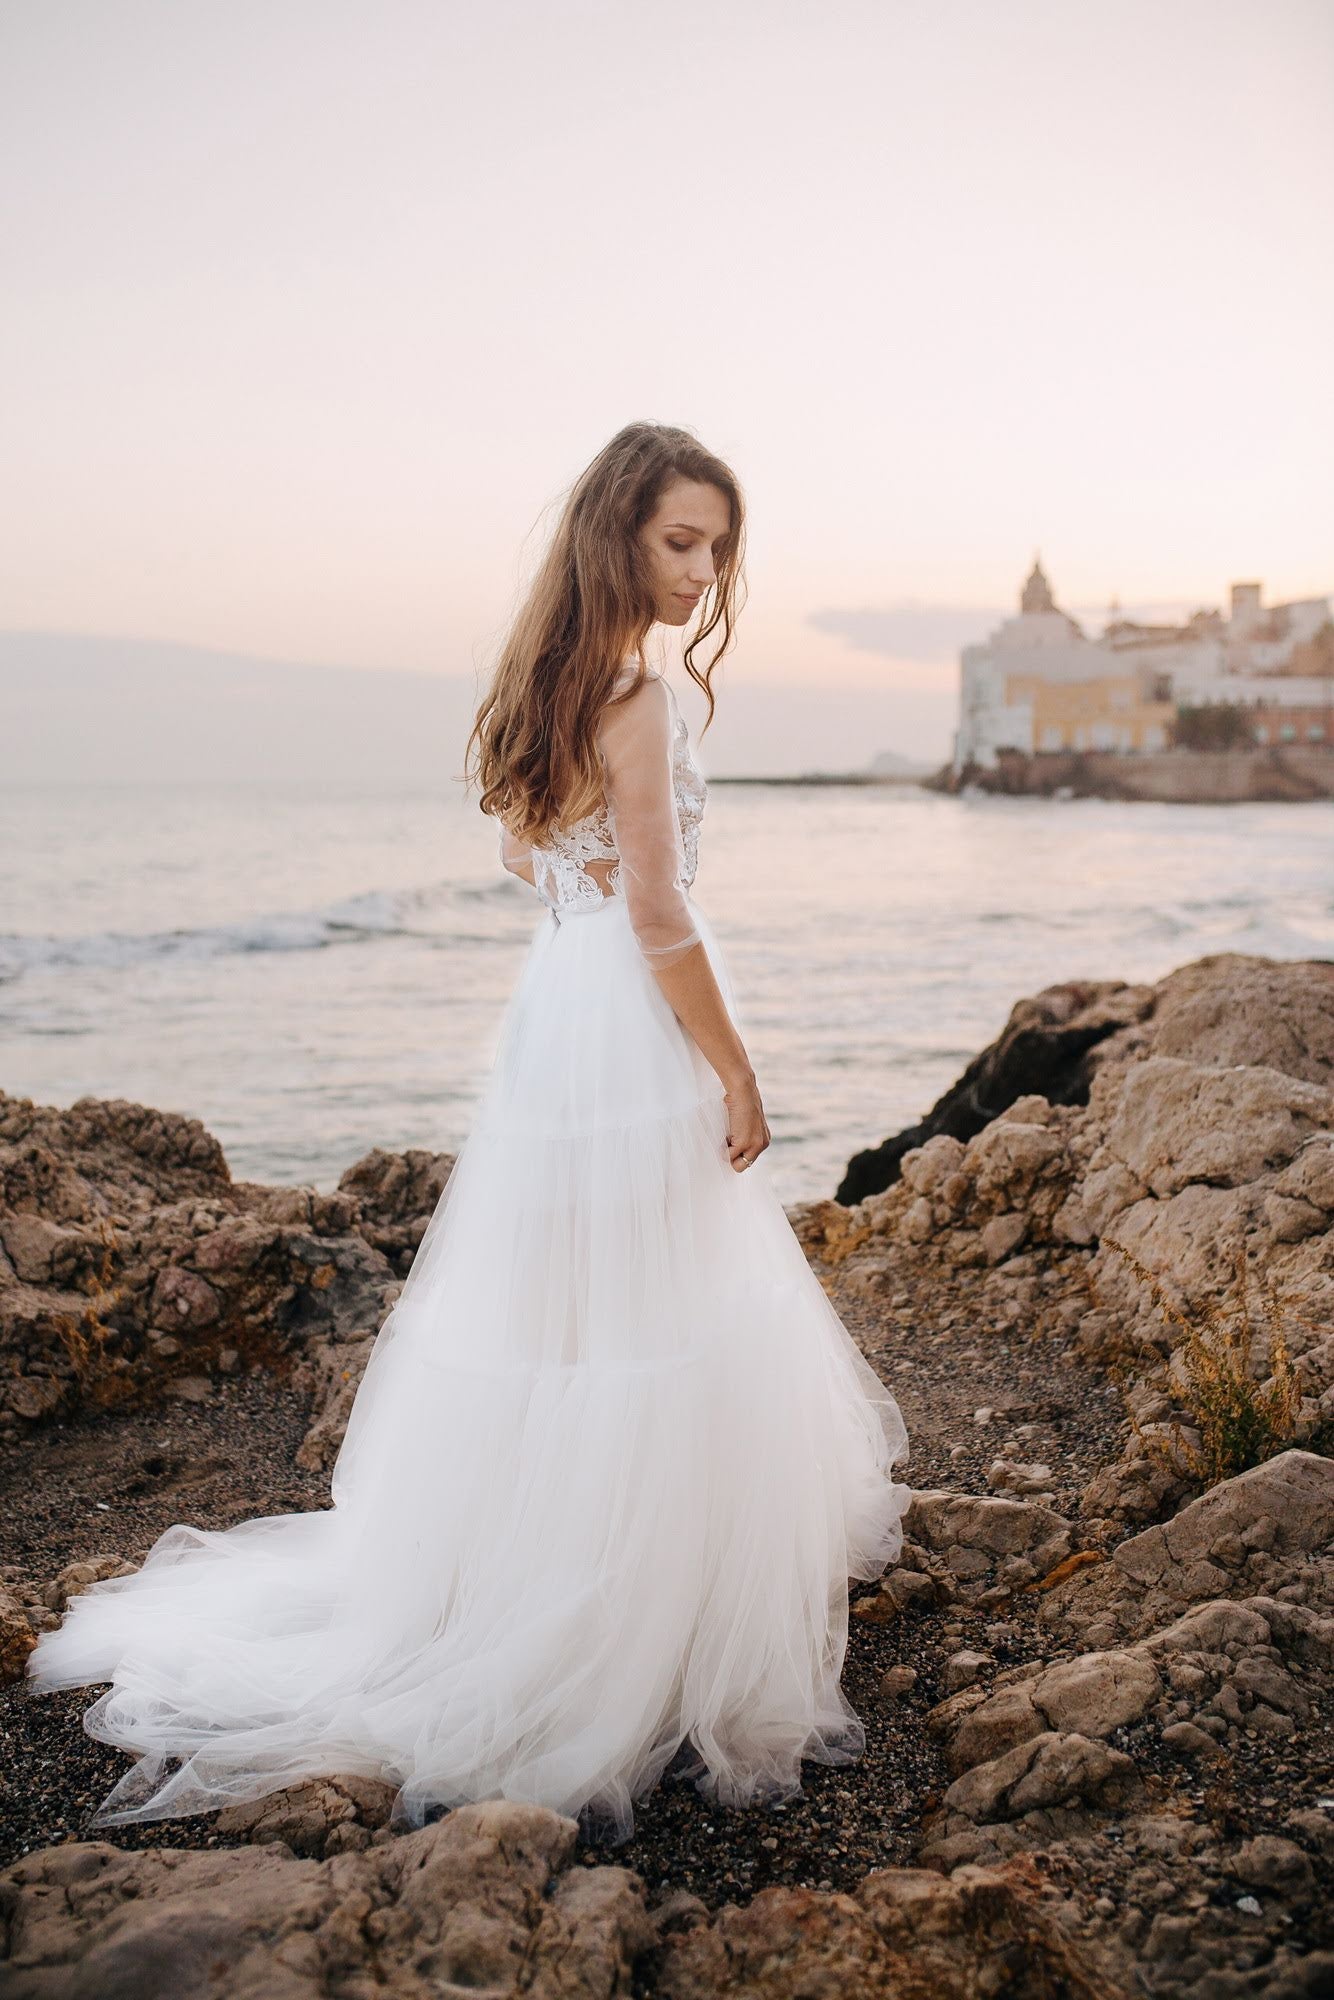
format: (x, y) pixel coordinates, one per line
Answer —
(890, 764)
(80, 707)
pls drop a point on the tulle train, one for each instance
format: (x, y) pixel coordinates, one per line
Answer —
(612, 1462)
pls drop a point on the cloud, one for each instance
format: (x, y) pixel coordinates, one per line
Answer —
(910, 631)
(933, 634)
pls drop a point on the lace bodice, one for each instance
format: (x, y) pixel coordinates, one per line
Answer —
(647, 826)
(562, 880)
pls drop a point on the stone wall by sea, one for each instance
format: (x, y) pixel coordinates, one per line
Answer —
(1277, 774)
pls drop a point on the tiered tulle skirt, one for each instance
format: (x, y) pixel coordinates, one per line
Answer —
(611, 1465)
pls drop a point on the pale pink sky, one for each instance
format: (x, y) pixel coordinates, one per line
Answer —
(313, 309)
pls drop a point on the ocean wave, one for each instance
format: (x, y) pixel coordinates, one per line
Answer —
(366, 918)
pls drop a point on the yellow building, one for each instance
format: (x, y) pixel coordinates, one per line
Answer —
(1108, 712)
(1040, 683)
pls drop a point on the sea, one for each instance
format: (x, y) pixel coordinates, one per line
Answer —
(314, 970)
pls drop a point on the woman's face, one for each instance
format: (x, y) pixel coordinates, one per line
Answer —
(684, 537)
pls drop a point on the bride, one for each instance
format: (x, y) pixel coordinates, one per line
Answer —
(614, 1456)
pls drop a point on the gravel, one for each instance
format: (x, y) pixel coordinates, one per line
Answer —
(114, 1481)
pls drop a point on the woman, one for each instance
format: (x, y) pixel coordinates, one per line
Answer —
(614, 1456)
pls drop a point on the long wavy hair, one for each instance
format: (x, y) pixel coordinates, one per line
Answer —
(589, 608)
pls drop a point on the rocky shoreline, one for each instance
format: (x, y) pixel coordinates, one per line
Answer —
(1269, 774)
(1098, 1687)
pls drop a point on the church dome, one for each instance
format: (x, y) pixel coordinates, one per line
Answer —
(1036, 594)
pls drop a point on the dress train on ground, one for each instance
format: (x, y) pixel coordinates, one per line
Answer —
(612, 1462)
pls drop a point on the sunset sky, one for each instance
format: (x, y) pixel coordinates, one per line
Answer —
(315, 310)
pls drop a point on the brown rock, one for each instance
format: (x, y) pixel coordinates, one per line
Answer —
(1271, 1863)
(77, 1576)
(1047, 1770)
(1098, 1692)
(485, 1900)
(1185, 1559)
(313, 1818)
(182, 1301)
(480, 1900)
(131, 1250)
(1232, 1008)
(1003, 1234)
(1188, 1741)
(896, 1681)
(1005, 1719)
(1179, 1122)
(944, 1521)
(907, 1934)
(390, 1198)
(17, 1637)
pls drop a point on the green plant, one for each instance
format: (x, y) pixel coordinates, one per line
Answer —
(1213, 725)
(1239, 1421)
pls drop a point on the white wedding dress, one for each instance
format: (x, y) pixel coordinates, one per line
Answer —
(614, 1456)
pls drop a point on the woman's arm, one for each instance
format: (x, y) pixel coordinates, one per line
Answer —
(692, 991)
(635, 740)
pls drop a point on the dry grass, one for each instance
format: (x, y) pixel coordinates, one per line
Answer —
(1240, 1421)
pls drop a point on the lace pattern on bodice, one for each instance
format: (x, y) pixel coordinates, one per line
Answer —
(559, 873)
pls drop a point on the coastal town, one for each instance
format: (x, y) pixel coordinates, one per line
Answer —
(1235, 705)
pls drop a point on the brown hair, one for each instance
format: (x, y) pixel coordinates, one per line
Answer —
(589, 608)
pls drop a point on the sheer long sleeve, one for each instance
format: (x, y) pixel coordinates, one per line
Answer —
(635, 738)
(517, 856)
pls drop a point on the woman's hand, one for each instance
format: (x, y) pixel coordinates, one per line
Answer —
(692, 991)
(747, 1129)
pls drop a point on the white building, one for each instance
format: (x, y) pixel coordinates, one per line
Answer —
(1260, 641)
(1042, 641)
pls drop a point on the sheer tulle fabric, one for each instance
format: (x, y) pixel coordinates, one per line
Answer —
(636, 741)
(611, 1464)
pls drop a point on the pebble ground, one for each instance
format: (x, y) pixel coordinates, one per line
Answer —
(115, 1481)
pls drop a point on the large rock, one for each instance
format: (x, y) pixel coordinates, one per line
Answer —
(1044, 1050)
(1198, 1146)
(319, 1817)
(1265, 1534)
(1284, 1507)
(1219, 1012)
(1089, 1696)
(1227, 1015)
(1178, 1122)
(1051, 1769)
(1196, 1170)
(486, 1901)
(102, 1157)
(906, 1934)
(18, 1635)
(981, 1534)
(1234, 1662)
(1230, 1009)
(396, 1195)
(132, 1265)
